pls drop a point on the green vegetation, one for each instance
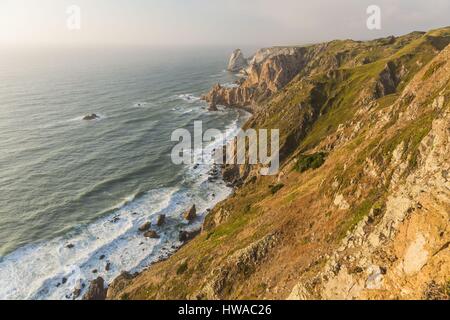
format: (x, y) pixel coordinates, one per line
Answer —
(373, 201)
(275, 188)
(182, 268)
(411, 135)
(448, 288)
(311, 161)
(433, 68)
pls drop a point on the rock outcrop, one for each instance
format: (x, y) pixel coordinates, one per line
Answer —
(97, 290)
(191, 214)
(268, 71)
(237, 61)
(185, 236)
(119, 284)
(241, 264)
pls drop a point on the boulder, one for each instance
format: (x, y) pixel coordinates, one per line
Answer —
(191, 214)
(160, 220)
(79, 286)
(230, 173)
(76, 293)
(144, 227)
(115, 219)
(237, 61)
(188, 235)
(96, 290)
(212, 107)
(91, 116)
(151, 234)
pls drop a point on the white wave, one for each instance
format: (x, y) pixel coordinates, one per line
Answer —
(188, 97)
(184, 110)
(37, 271)
(230, 85)
(52, 270)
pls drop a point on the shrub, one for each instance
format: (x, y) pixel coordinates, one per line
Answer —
(182, 268)
(310, 161)
(275, 188)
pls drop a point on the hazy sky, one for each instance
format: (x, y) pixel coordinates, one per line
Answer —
(211, 22)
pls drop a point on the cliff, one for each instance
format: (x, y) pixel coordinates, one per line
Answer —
(360, 208)
(237, 61)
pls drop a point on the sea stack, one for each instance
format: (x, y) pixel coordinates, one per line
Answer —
(191, 214)
(237, 61)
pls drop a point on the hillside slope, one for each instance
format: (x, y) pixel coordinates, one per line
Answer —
(360, 208)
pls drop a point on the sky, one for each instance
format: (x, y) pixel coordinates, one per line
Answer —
(210, 22)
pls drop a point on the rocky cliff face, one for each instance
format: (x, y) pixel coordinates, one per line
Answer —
(400, 249)
(360, 208)
(268, 71)
(237, 61)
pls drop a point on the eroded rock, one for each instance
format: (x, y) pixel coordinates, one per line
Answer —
(191, 214)
(97, 290)
(237, 61)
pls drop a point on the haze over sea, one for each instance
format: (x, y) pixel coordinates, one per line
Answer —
(74, 192)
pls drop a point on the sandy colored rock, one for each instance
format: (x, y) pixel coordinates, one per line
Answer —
(237, 61)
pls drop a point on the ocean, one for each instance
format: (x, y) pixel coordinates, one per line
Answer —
(74, 192)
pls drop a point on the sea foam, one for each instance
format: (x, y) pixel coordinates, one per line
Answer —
(54, 269)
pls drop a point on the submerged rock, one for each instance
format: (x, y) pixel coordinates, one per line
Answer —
(151, 234)
(115, 219)
(91, 116)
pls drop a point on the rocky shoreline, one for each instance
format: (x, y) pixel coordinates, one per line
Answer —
(98, 289)
(242, 96)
